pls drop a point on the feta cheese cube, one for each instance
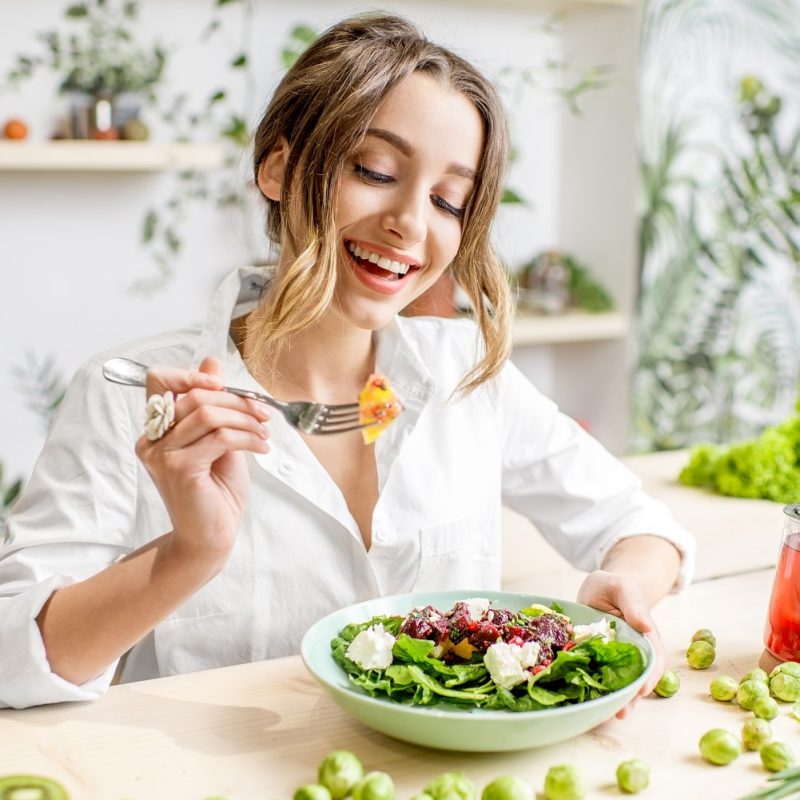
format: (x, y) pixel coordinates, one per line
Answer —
(508, 663)
(372, 648)
(477, 607)
(601, 628)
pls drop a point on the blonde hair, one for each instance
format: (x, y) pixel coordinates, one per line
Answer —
(322, 108)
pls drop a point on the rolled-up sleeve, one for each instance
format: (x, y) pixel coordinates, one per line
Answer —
(74, 518)
(581, 498)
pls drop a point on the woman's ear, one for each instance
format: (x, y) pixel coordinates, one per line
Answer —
(270, 172)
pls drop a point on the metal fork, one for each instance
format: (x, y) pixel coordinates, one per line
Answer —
(318, 418)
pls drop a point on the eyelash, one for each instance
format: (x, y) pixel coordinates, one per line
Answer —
(380, 178)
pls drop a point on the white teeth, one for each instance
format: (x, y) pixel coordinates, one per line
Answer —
(375, 258)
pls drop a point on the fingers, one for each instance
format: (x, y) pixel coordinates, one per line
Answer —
(208, 422)
(211, 365)
(633, 609)
(180, 381)
(216, 444)
(206, 419)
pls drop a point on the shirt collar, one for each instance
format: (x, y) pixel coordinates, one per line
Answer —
(289, 459)
(238, 293)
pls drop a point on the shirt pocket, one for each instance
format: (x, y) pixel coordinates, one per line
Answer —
(463, 554)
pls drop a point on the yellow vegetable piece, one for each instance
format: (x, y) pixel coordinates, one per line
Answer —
(378, 406)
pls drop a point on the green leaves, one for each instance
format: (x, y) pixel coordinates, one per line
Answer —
(8, 496)
(236, 130)
(784, 784)
(77, 11)
(418, 675)
(511, 197)
(300, 37)
(766, 467)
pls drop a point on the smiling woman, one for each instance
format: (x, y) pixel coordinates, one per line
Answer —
(381, 159)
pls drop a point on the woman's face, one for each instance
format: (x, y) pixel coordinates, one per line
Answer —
(401, 199)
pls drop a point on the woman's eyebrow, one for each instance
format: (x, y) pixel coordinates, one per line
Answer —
(406, 149)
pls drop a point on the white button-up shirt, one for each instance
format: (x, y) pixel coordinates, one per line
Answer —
(445, 466)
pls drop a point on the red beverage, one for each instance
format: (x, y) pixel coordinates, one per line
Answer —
(782, 631)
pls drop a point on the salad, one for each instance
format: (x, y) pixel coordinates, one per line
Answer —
(478, 655)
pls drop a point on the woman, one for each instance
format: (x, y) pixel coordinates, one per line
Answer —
(381, 158)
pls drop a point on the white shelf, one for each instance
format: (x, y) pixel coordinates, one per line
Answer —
(574, 326)
(85, 156)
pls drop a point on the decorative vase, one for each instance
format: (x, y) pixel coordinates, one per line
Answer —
(92, 117)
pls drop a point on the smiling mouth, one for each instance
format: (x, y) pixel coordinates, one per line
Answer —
(379, 265)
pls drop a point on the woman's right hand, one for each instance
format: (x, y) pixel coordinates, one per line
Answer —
(199, 464)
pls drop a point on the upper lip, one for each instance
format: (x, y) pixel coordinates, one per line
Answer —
(392, 255)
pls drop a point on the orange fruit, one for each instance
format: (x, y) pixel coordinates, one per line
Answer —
(15, 129)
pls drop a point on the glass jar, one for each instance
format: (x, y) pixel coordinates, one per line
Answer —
(782, 631)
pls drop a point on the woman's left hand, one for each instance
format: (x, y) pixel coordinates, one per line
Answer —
(621, 595)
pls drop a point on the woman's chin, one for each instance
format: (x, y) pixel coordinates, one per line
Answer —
(367, 316)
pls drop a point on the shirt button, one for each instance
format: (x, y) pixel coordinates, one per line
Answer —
(378, 535)
(284, 468)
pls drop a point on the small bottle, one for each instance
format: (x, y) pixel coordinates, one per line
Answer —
(782, 631)
(102, 123)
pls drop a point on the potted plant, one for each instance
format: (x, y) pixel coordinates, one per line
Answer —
(106, 74)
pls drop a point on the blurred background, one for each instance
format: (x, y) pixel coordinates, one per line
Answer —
(650, 224)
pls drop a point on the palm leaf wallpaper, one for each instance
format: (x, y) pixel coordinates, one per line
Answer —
(718, 354)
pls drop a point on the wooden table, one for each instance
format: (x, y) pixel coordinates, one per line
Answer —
(259, 730)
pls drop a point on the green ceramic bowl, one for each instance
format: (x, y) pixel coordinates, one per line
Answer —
(452, 728)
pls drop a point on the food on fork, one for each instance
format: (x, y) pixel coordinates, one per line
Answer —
(378, 407)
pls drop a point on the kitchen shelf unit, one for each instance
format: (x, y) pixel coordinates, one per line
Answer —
(89, 156)
(584, 364)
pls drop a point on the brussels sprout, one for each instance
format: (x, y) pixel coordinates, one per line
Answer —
(776, 756)
(564, 782)
(668, 684)
(719, 746)
(451, 786)
(750, 691)
(374, 786)
(785, 686)
(789, 667)
(700, 654)
(422, 796)
(312, 791)
(765, 708)
(723, 688)
(633, 775)
(756, 674)
(705, 635)
(507, 787)
(339, 772)
(756, 733)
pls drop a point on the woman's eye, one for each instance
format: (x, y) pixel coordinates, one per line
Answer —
(371, 175)
(448, 208)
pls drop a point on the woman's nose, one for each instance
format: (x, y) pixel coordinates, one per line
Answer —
(406, 216)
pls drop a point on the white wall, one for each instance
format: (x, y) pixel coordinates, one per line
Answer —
(69, 242)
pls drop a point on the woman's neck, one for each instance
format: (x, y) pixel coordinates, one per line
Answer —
(329, 362)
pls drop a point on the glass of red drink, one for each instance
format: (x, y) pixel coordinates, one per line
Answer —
(782, 631)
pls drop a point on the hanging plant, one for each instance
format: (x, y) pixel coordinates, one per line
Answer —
(95, 51)
(220, 118)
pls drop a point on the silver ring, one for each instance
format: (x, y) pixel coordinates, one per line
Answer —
(159, 415)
